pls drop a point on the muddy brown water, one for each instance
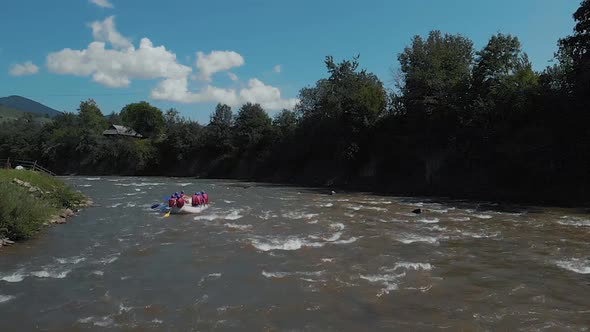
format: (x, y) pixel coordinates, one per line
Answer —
(275, 258)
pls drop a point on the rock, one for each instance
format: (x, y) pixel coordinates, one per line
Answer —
(417, 211)
(61, 221)
(66, 213)
(6, 242)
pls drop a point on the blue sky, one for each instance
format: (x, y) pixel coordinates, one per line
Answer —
(262, 51)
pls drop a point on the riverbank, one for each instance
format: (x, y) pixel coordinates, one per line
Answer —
(29, 201)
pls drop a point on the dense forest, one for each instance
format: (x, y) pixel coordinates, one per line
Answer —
(460, 122)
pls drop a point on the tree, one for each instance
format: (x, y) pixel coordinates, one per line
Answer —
(181, 141)
(222, 116)
(143, 118)
(251, 127)
(436, 73)
(574, 53)
(218, 133)
(502, 78)
(337, 113)
(114, 119)
(91, 118)
(286, 123)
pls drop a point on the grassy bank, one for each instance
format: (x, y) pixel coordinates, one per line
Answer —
(29, 203)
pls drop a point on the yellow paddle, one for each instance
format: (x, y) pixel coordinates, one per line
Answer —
(167, 214)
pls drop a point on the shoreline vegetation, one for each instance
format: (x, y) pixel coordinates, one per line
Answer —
(30, 201)
(458, 122)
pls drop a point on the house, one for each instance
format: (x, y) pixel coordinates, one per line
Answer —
(116, 130)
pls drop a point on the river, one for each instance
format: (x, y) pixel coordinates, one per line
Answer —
(266, 257)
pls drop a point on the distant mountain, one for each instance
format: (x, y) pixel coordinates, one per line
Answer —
(27, 105)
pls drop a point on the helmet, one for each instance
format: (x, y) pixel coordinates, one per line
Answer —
(196, 192)
(176, 193)
(182, 192)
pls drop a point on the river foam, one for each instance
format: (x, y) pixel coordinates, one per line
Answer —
(236, 226)
(291, 243)
(575, 265)
(233, 214)
(574, 221)
(412, 238)
(6, 298)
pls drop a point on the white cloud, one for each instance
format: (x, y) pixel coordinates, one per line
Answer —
(233, 76)
(267, 96)
(102, 3)
(27, 68)
(277, 69)
(115, 68)
(217, 61)
(106, 31)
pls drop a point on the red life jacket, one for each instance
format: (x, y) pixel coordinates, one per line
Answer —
(195, 200)
(206, 198)
(200, 199)
(172, 202)
(180, 202)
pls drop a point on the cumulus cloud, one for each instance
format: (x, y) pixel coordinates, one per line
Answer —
(102, 3)
(118, 65)
(216, 61)
(106, 31)
(277, 69)
(267, 96)
(21, 69)
(233, 76)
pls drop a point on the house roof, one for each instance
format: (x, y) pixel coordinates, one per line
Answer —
(121, 131)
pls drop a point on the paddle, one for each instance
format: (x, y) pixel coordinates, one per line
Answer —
(155, 205)
(167, 214)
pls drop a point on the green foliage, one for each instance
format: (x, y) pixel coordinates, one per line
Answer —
(222, 117)
(22, 213)
(144, 118)
(251, 128)
(337, 113)
(435, 72)
(218, 136)
(286, 123)
(180, 143)
(20, 138)
(114, 119)
(574, 55)
(91, 118)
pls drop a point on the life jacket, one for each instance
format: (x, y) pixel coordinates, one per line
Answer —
(195, 200)
(199, 199)
(206, 198)
(172, 202)
(180, 202)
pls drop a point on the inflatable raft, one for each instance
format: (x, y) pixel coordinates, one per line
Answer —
(188, 209)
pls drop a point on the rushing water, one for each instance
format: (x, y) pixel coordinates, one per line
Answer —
(282, 258)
